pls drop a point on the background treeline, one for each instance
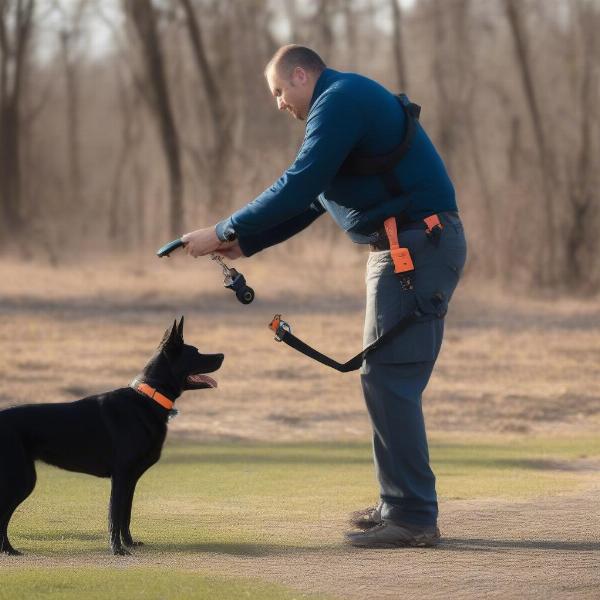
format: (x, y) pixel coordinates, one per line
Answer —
(124, 124)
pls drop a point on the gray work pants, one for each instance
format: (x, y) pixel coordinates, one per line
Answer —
(395, 375)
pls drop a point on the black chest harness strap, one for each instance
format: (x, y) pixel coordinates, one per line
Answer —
(383, 166)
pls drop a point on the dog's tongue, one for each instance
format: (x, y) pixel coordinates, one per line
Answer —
(202, 379)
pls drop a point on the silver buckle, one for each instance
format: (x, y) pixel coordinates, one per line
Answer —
(285, 326)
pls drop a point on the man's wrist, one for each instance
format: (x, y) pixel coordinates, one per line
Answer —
(225, 231)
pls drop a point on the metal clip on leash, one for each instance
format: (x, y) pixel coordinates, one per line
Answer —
(234, 280)
(279, 326)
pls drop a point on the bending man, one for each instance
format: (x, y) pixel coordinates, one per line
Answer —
(367, 161)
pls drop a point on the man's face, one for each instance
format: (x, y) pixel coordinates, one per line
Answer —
(292, 94)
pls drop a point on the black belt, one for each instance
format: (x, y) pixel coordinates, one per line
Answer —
(383, 243)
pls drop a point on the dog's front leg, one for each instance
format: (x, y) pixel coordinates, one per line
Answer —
(116, 512)
(125, 532)
(5, 547)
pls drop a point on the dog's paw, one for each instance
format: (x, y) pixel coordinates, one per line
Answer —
(121, 552)
(132, 543)
(11, 552)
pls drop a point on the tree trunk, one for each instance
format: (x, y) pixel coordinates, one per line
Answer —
(143, 17)
(323, 27)
(581, 236)
(130, 134)
(72, 119)
(16, 23)
(446, 77)
(219, 152)
(548, 256)
(398, 39)
(351, 34)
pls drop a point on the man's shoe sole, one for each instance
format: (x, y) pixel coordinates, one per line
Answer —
(399, 544)
(419, 540)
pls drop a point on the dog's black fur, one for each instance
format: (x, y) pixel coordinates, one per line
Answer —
(118, 434)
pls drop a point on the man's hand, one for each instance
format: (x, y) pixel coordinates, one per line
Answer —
(201, 242)
(230, 250)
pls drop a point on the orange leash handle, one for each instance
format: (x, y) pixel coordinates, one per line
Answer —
(401, 256)
(402, 260)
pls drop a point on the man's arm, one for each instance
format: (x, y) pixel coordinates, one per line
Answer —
(203, 241)
(251, 244)
(334, 127)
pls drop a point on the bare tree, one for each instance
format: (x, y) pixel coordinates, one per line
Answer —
(451, 71)
(250, 96)
(581, 242)
(70, 36)
(130, 140)
(218, 152)
(509, 89)
(398, 39)
(351, 31)
(547, 257)
(144, 19)
(16, 26)
(324, 29)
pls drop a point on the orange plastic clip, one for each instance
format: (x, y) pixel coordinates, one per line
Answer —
(432, 222)
(274, 324)
(402, 260)
(401, 256)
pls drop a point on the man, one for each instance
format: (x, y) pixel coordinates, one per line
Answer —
(349, 117)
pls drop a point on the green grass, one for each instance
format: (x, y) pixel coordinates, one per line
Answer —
(511, 468)
(248, 500)
(136, 583)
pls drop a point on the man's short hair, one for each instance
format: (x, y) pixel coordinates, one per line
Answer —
(287, 58)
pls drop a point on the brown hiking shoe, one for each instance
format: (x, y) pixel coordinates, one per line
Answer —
(393, 535)
(366, 518)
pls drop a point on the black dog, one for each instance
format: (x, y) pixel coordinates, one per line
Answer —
(118, 434)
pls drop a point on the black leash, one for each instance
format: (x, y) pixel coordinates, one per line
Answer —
(283, 333)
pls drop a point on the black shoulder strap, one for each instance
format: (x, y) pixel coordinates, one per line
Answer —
(356, 164)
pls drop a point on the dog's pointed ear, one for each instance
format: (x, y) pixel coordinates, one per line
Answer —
(171, 336)
(180, 328)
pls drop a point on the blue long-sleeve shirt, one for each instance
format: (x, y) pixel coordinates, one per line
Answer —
(348, 112)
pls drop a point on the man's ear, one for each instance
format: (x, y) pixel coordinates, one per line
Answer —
(300, 76)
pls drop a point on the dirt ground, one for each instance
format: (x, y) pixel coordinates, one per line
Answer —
(548, 548)
(490, 550)
(509, 365)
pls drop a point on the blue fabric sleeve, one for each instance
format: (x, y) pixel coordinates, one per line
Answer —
(333, 128)
(251, 244)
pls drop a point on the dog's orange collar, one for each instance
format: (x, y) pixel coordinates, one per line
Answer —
(153, 393)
